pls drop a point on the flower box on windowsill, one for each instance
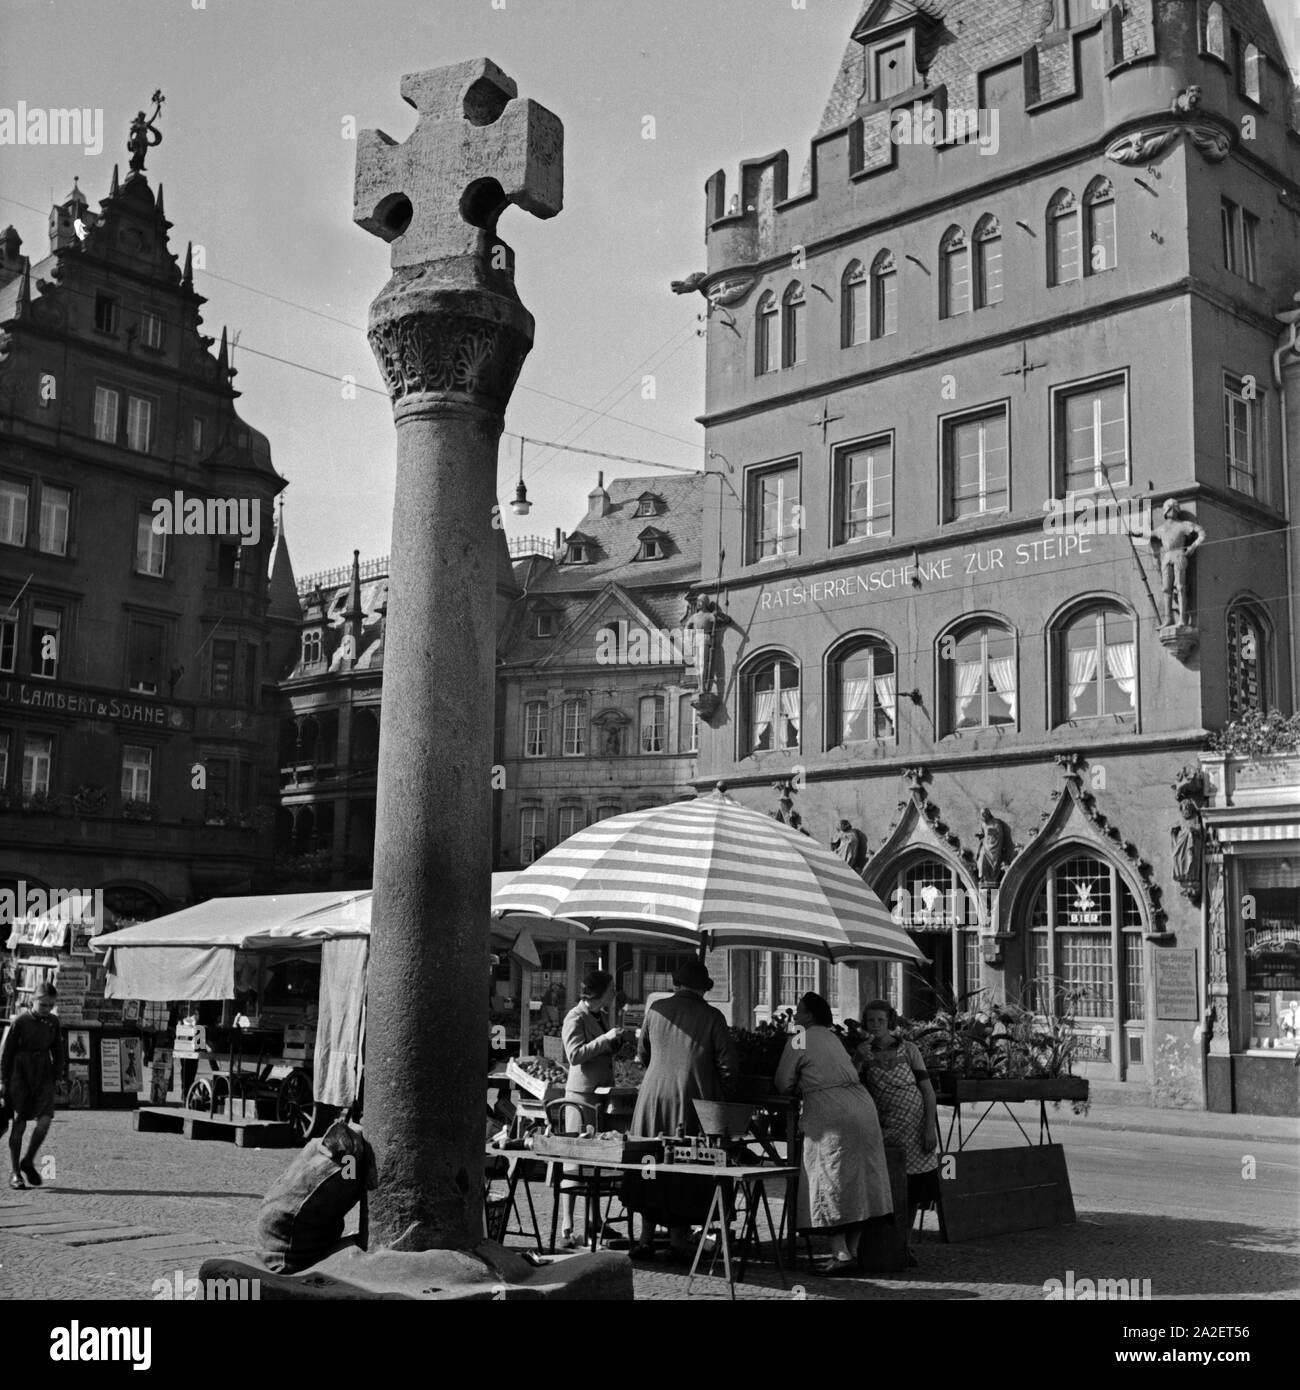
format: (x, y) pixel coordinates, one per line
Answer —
(950, 1088)
(138, 810)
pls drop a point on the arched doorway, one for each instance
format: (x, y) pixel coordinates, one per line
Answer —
(1081, 930)
(929, 897)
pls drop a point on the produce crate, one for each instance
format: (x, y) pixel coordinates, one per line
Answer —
(534, 1085)
(595, 1150)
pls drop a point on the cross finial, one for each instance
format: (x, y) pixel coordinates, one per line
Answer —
(476, 148)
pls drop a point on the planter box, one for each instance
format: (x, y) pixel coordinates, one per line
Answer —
(952, 1089)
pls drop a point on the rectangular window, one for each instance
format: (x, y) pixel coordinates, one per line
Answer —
(1135, 993)
(46, 642)
(864, 503)
(855, 311)
(106, 403)
(956, 281)
(884, 303)
(151, 330)
(1240, 435)
(196, 434)
(139, 423)
(106, 308)
(571, 820)
(1087, 964)
(56, 507)
(8, 634)
(1230, 221)
(654, 719)
(150, 548)
(989, 260)
(762, 973)
(38, 755)
(13, 512)
(688, 726)
(975, 465)
(575, 729)
(1092, 436)
(532, 834)
(773, 497)
(535, 729)
(796, 976)
(1250, 247)
(144, 657)
(137, 773)
(222, 684)
(1066, 261)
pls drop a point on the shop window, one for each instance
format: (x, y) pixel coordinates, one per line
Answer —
(794, 309)
(853, 305)
(884, 295)
(1270, 942)
(535, 729)
(770, 691)
(1091, 433)
(144, 657)
(975, 464)
(766, 327)
(1246, 662)
(13, 512)
(575, 729)
(988, 262)
(954, 281)
(977, 671)
(658, 969)
(772, 505)
(1097, 665)
(653, 722)
(137, 773)
(1241, 416)
(862, 680)
(864, 489)
(56, 509)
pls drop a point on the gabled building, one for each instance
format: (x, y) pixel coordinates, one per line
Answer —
(138, 631)
(1024, 297)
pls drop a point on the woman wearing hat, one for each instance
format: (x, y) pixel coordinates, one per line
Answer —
(689, 1055)
(30, 1064)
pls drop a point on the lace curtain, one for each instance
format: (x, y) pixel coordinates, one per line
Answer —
(790, 709)
(1083, 667)
(970, 674)
(1121, 666)
(1002, 669)
(885, 702)
(764, 714)
(854, 697)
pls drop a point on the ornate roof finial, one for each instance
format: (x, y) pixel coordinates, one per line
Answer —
(187, 277)
(144, 135)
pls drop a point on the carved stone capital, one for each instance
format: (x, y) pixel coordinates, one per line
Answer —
(1145, 146)
(1179, 640)
(442, 341)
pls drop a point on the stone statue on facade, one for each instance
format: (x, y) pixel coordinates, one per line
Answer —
(994, 850)
(144, 134)
(704, 620)
(1176, 540)
(1186, 841)
(851, 845)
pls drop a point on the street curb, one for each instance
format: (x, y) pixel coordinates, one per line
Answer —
(1185, 1131)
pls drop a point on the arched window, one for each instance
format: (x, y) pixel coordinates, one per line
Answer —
(1247, 665)
(1099, 226)
(978, 677)
(765, 335)
(988, 261)
(1248, 80)
(793, 309)
(1086, 956)
(884, 295)
(853, 305)
(1216, 34)
(654, 723)
(1063, 261)
(954, 281)
(1096, 672)
(863, 688)
(928, 899)
(770, 691)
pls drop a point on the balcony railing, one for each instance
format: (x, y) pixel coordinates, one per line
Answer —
(307, 774)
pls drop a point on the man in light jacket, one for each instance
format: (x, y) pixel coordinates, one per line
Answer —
(590, 1045)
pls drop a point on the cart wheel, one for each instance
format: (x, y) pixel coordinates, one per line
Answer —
(295, 1105)
(201, 1097)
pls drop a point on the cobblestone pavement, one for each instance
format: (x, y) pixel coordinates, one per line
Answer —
(125, 1209)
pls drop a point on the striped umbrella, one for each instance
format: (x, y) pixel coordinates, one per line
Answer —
(710, 873)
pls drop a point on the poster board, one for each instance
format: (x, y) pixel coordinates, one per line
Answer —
(1175, 984)
(131, 1052)
(110, 1066)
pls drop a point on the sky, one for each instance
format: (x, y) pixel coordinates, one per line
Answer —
(258, 171)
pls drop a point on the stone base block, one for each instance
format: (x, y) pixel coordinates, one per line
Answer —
(488, 1273)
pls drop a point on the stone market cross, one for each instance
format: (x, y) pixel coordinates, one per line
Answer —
(476, 148)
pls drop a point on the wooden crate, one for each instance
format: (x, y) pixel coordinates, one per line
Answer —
(990, 1192)
(579, 1150)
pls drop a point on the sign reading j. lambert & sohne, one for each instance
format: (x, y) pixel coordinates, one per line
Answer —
(83, 702)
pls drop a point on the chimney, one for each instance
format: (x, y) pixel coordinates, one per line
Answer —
(11, 258)
(598, 498)
(559, 542)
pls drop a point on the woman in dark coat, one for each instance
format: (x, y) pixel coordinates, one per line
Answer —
(689, 1055)
(29, 1066)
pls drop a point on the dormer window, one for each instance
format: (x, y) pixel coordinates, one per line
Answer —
(890, 33)
(653, 544)
(648, 505)
(890, 69)
(544, 624)
(311, 647)
(579, 549)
